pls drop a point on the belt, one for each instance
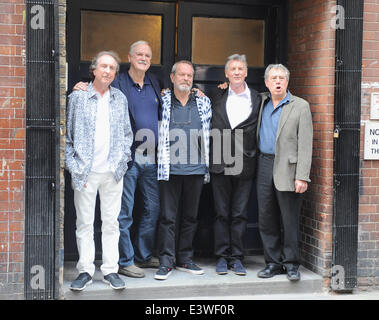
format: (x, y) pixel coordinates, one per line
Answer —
(267, 155)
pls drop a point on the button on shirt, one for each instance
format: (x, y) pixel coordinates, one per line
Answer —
(143, 104)
(269, 125)
(185, 141)
(238, 106)
(102, 135)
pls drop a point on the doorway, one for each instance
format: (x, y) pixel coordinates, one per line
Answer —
(204, 33)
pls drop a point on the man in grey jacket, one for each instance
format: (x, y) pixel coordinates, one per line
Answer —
(98, 141)
(285, 137)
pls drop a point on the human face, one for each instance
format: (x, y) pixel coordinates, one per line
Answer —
(277, 83)
(236, 72)
(105, 70)
(140, 58)
(183, 77)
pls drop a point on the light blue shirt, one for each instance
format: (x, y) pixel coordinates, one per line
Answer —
(269, 125)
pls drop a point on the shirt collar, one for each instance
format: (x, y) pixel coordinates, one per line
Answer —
(285, 100)
(146, 80)
(191, 97)
(92, 92)
(246, 92)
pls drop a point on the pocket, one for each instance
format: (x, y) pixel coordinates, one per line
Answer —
(292, 159)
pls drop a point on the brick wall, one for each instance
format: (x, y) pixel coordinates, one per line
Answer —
(12, 147)
(368, 247)
(311, 48)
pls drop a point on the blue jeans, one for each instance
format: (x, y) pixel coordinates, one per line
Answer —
(143, 176)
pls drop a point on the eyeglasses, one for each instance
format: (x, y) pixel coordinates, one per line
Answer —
(276, 78)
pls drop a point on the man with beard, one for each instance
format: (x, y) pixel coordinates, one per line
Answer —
(183, 161)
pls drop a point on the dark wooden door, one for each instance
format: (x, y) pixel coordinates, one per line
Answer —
(224, 29)
(185, 21)
(128, 19)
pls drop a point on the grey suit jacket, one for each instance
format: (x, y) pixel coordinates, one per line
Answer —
(293, 152)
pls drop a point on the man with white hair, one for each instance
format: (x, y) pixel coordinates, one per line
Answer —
(285, 137)
(235, 112)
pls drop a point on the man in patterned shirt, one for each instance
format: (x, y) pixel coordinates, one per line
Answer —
(98, 141)
(183, 167)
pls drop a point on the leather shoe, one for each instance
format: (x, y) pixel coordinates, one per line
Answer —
(270, 270)
(293, 273)
(152, 263)
(132, 271)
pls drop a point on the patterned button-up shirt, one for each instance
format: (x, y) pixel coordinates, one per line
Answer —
(205, 112)
(80, 134)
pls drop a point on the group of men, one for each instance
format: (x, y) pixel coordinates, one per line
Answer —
(124, 134)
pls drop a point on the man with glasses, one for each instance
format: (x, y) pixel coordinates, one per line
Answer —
(285, 137)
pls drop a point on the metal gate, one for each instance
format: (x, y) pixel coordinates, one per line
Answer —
(42, 150)
(347, 118)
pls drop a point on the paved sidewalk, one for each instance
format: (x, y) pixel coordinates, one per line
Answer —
(182, 285)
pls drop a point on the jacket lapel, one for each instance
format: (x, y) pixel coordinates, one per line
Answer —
(287, 108)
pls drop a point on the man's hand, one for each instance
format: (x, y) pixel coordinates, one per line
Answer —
(198, 92)
(301, 186)
(81, 86)
(223, 85)
(164, 91)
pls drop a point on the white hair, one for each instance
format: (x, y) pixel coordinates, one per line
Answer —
(277, 66)
(137, 43)
(235, 57)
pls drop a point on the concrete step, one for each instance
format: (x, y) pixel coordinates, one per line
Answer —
(182, 285)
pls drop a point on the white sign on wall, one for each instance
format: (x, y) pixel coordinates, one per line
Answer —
(374, 114)
(371, 151)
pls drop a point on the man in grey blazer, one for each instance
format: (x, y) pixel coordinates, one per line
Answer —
(285, 137)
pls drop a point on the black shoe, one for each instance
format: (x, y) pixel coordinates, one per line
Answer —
(222, 266)
(293, 273)
(189, 267)
(163, 273)
(114, 281)
(272, 269)
(83, 280)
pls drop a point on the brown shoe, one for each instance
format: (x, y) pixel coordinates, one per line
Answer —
(132, 271)
(152, 263)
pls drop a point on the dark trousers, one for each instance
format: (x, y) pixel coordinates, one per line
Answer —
(278, 212)
(231, 197)
(180, 192)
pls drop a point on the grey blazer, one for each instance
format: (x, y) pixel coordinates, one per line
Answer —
(293, 152)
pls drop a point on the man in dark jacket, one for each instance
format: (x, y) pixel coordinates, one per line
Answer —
(233, 162)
